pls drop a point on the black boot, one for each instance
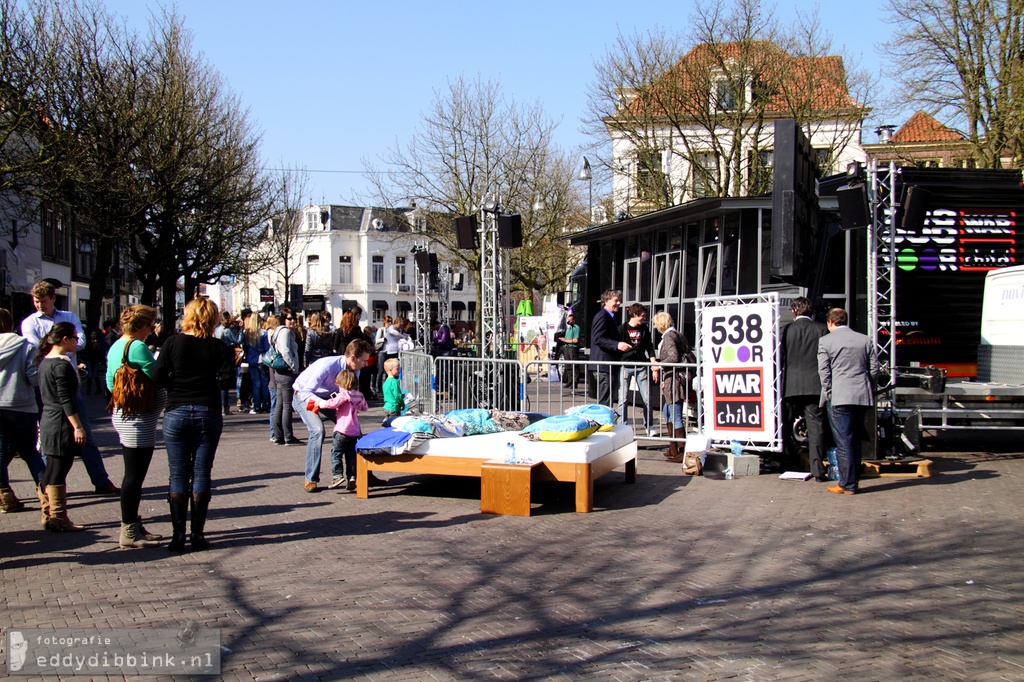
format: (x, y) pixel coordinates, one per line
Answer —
(200, 503)
(179, 512)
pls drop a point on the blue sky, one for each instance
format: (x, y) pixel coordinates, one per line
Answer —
(332, 83)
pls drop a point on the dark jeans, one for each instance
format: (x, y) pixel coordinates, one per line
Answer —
(343, 450)
(191, 435)
(847, 428)
(18, 432)
(281, 424)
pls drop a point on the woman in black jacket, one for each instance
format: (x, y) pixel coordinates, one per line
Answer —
(192, 366)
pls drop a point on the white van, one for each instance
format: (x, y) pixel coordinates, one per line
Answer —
(1001, 353)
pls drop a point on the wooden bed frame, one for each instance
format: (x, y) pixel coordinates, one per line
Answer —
(583, 474)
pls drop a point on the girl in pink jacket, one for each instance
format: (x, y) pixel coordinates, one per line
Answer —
(347, 403)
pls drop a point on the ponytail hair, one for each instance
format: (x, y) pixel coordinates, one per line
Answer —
(56, 336)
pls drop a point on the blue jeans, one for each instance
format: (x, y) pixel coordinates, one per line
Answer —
(91, 457)
(314, 444)
(191, 435)
(847, 427)
(640, 373)
(273, 403)
(18, 437)
(260, 389)
(673, 414)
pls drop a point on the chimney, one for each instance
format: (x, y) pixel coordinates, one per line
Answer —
(884, 133)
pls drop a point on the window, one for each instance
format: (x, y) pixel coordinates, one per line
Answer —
(824, 160)
(56, 240)
(311, 221)
(312, 271)
(705, 173)
(759, 180)
(650, 178)
(400, 270)
(345, 269)
(727, 98)
(377, 274)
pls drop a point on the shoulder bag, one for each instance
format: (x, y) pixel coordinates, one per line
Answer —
(272, 357)
(134, 392)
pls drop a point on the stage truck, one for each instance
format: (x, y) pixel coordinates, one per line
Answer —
(961, 232)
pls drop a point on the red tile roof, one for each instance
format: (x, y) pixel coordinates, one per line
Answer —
(787, 80)
(924, 128)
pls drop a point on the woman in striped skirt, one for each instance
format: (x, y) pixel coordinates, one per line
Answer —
(138, 431)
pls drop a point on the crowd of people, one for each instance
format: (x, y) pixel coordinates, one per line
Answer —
(179, 380)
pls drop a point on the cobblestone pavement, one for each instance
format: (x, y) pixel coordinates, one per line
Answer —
(673, 578)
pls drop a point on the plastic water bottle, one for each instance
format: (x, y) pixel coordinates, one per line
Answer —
(510, 453)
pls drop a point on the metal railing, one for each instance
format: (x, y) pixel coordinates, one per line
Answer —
(555, 386)
(456, 382)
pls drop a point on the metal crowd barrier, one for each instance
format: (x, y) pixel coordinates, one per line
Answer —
(555, 386)
(458, 382)
(416, 379)
(467, 382)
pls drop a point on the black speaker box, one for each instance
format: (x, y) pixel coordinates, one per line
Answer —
(510, 231)
(466, 231)
(853, 206)
(915, 207)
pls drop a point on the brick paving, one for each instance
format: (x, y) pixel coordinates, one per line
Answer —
(674, 578)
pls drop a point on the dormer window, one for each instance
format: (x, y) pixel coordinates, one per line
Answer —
(726, 96)
(311, 220)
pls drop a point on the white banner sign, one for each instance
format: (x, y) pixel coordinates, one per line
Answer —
(738, 344)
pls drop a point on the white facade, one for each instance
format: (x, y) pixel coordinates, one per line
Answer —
(679, 170)
(358, 255)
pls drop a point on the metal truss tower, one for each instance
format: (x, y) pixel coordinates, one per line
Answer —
(491, 326)
(881, 285)
(422, 312)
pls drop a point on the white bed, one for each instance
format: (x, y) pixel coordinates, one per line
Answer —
(579, 462)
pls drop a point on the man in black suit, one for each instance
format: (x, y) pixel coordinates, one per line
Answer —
(801, 384)
(605, 346)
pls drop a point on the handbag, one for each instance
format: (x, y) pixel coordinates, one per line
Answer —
(134, 392)
(271, 358)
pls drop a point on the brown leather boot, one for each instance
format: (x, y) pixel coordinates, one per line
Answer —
(59, 521)
(673, 454)
(9, 502)
(44, 505)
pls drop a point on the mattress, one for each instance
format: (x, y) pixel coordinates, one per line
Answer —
(492, 446)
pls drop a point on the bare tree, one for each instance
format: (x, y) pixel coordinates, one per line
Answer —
(474, 145)
(687, 123)
(283, 246)
(964, 59)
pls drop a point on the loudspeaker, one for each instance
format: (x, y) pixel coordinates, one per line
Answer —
(423, 261)
(915, 207)
(510, 231)
(466, 231)
(853, 206)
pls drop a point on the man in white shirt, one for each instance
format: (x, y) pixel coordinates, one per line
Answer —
(34, 328)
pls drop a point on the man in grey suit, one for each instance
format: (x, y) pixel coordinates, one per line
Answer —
(848, 368)
(801, 386)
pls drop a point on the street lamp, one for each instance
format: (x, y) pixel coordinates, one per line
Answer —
(586, 174)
